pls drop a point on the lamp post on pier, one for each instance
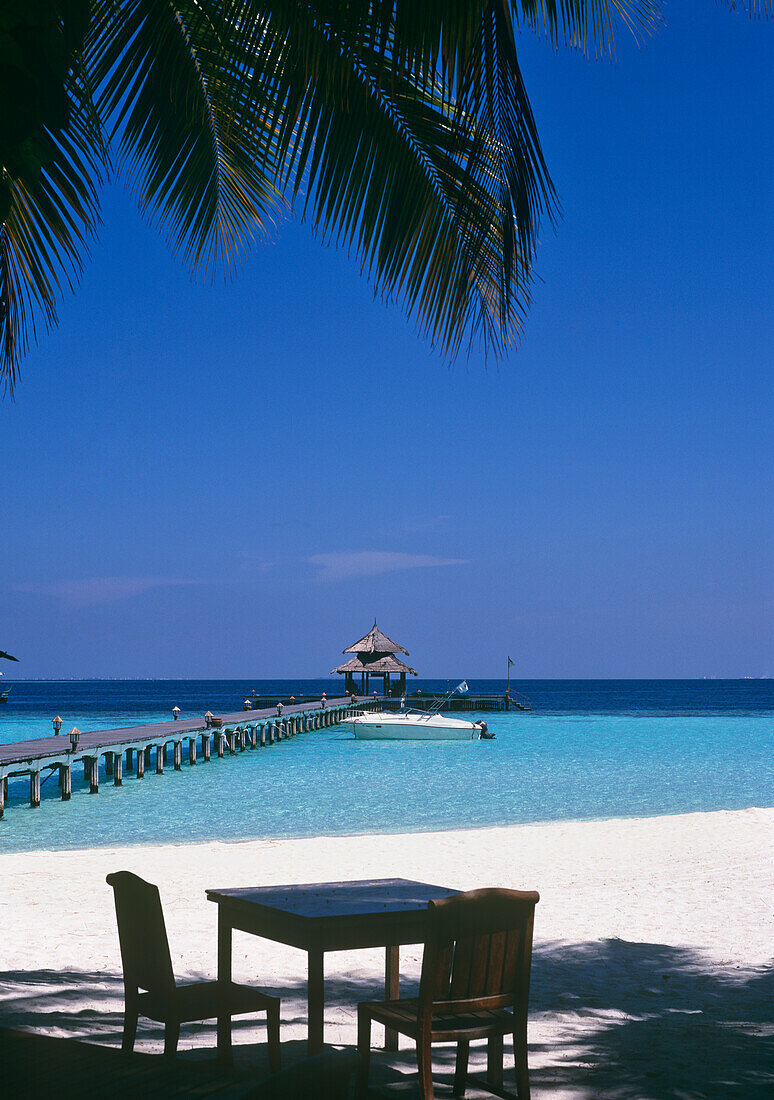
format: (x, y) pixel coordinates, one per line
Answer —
(57, 724)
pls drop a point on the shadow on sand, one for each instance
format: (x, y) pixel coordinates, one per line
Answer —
(612, 1020)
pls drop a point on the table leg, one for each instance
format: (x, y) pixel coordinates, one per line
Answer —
(315, 996)
(224, 979)
(391, 989)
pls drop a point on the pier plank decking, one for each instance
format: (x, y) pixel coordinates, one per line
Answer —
(235, 732)
(130, 748)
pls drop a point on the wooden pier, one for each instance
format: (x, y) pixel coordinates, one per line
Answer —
(512, 700)
(139, 747)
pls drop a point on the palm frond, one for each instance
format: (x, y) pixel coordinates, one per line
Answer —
(171, 79)
(589, 25)
(45, 238)
(358, 98)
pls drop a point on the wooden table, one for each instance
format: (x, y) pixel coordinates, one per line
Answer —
(325, 916)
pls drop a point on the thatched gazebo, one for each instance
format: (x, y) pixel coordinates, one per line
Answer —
(375, 655)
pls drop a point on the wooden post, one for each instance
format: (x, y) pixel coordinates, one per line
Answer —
(87, 769)
(34, 789)
(391, 987)
(129, 759)
(206, 747)
(263, 736)
(109, 763)
(94, 776)
(147, 751)
(315, 999)
(140, 770)
(224, 977)
(243, 739)
(219, 739)
(192, 751)
(178, 755)
(159, 759)
(271, 732)
(66, 781)
(118, 778)
(2, 796)
(253, 737)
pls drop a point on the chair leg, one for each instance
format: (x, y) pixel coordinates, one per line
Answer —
(425, 1063)
(273, 1029)
(171, 1036)
(520, 1060)
(494, 1062)
(461, 1068)
(130, 1029)
(364, 1050)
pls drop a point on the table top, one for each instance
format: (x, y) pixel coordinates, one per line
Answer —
(313, 901)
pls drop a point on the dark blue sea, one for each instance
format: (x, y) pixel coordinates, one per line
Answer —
(587, 749)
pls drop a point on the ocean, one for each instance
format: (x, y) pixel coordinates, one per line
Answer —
(588, 749)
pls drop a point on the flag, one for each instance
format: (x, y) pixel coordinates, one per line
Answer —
(462, 688)
(510, 663)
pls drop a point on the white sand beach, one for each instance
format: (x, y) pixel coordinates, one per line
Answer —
(654, 942)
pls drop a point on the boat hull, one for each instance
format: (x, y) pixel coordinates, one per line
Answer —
(425, 727)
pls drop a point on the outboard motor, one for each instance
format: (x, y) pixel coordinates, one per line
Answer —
(485, 734)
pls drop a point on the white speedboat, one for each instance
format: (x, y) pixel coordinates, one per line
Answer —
(415, 726)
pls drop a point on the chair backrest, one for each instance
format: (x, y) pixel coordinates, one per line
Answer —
(143, 935)
(478, 951)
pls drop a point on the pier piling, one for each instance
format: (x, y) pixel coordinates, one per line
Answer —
(133, 747)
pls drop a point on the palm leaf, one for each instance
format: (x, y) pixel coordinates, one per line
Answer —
(363, 118)
(171, 82)
(45, 239)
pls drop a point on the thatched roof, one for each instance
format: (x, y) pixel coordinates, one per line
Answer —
(375, 642)
(377, 662)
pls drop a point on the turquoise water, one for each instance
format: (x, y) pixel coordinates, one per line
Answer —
(587, 750)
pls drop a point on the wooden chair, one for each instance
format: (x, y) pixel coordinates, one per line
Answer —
(474, 985)
(147, 966)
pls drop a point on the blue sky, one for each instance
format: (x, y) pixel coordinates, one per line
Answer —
(234, 480)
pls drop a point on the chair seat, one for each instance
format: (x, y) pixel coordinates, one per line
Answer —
(202, 1001)
(402, 1015)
